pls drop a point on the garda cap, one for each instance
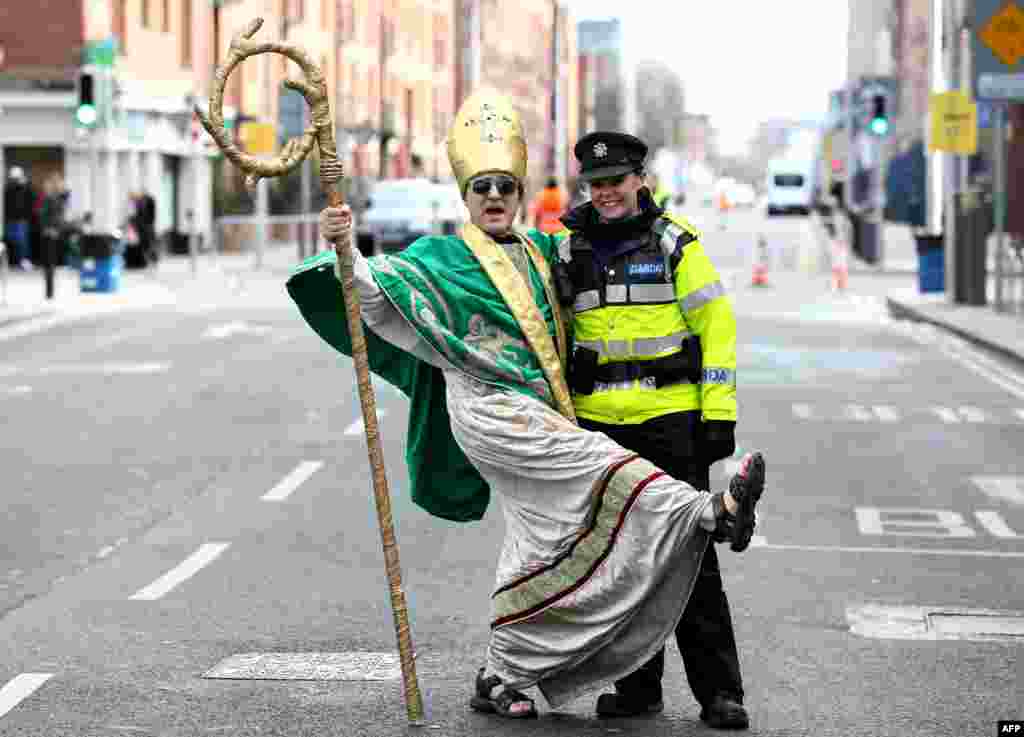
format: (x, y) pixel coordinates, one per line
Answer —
(609, 154)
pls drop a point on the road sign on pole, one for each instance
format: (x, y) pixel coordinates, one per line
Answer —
(998, 46)
(954, 123)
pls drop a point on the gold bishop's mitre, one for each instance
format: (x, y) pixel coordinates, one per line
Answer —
(486, 135)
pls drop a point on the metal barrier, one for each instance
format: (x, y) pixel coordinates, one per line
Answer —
(1008, 260)
(255, 235)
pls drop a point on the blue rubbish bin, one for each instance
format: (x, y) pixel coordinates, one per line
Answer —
(931, 264)
(100, 262)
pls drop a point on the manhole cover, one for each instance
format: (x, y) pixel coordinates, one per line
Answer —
(934, 623)
(309, 667)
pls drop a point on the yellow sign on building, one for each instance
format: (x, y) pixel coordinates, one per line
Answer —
(954, 123)
(1004, 34)
(257, 138)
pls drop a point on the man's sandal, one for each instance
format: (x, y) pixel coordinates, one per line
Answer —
(508, 703)
(746, 488)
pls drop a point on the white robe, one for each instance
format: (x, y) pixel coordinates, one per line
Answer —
(601, 549)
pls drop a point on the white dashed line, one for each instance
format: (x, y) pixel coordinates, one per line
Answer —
(995, 524)
(946, 415)
(886, 414)
(105, 369)
(803, 411)
(20, 688)
(206, 554)
(1007, 488)
(356, 428)
(857, 413)
(902, 550)
(292, 481)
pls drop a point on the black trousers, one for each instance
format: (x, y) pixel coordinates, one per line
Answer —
(704, 635)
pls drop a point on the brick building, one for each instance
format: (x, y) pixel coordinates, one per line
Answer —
(166, 48)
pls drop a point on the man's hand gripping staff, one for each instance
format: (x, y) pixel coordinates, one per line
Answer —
(321, 133)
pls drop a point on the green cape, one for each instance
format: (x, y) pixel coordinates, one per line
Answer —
(445, 295)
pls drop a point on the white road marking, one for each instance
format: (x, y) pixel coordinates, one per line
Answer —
(292, 481)
(238, 327)
(803, 411)
(972, 414)
(857, 413)
(1008, 488)
(16, 391)
(20, 688)
(992, 521)
(206, 554)
(356, 428)
(902, 550)
(946, 415)
(986, 368)
(886, 413)
(104, 369)
(1020, 414)
(912, 522)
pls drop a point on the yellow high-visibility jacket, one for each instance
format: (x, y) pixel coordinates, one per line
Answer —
(640, 307)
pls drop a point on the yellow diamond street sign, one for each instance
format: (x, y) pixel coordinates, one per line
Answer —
(1004, 34)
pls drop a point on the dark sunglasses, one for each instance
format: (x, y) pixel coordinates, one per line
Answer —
(607, 181)
(504, 185)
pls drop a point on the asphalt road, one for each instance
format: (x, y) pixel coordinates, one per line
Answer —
(188, 483)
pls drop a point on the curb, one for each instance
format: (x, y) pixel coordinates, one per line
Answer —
(901, 311)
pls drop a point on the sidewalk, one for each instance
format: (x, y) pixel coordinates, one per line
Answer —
(999, 332)
(171, 281)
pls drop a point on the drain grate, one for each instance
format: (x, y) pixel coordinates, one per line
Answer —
(351, 666)
(935, 623)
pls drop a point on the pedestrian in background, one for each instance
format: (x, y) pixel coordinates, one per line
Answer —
(548, 206)
(53, 221)
(18, 201)
(654, 369)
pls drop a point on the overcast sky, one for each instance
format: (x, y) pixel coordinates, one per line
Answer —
(741, 61)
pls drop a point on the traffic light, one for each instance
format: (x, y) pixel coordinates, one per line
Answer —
(879, 124)
(86, 114)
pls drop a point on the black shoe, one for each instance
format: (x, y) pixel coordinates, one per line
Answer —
(725, 712)
(617, 705)
(746, 487)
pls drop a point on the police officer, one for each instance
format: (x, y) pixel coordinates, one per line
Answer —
(654, 367)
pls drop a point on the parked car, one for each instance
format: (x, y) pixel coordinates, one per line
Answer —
(399, 211)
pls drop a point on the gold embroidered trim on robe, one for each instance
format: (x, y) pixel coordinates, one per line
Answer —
(518, 295)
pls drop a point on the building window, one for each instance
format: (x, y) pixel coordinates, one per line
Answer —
(186, 33)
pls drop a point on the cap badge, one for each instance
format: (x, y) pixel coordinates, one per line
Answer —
(600, 150)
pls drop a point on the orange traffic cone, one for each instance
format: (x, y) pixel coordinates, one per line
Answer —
(759, 276)
(840, 265)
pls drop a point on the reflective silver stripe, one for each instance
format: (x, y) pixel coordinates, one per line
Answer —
(645, 384)
(615, 293)
(587, 300)
(715, 375)
(700, 297)
(651, 346)
(617, 348)
(651, 293)
(640, 346)
(669, 238)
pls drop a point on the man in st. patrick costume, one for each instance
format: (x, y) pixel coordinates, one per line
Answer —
(598, 542)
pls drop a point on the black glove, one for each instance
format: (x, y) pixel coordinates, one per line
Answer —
(718, 441)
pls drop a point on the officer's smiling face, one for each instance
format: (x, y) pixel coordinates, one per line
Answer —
(616, 197)
(492, 200)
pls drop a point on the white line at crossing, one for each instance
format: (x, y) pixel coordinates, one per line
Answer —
(1006, 488)
(205, 555)
(995, 524)
(803, 411)
(20, 688)
(292, 481)
(886, 413)
(947, 415)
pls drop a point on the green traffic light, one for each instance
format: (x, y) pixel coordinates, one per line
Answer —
(86, 115)
(879, 126)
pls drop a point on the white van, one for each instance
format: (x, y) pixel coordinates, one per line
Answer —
(790, 186)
